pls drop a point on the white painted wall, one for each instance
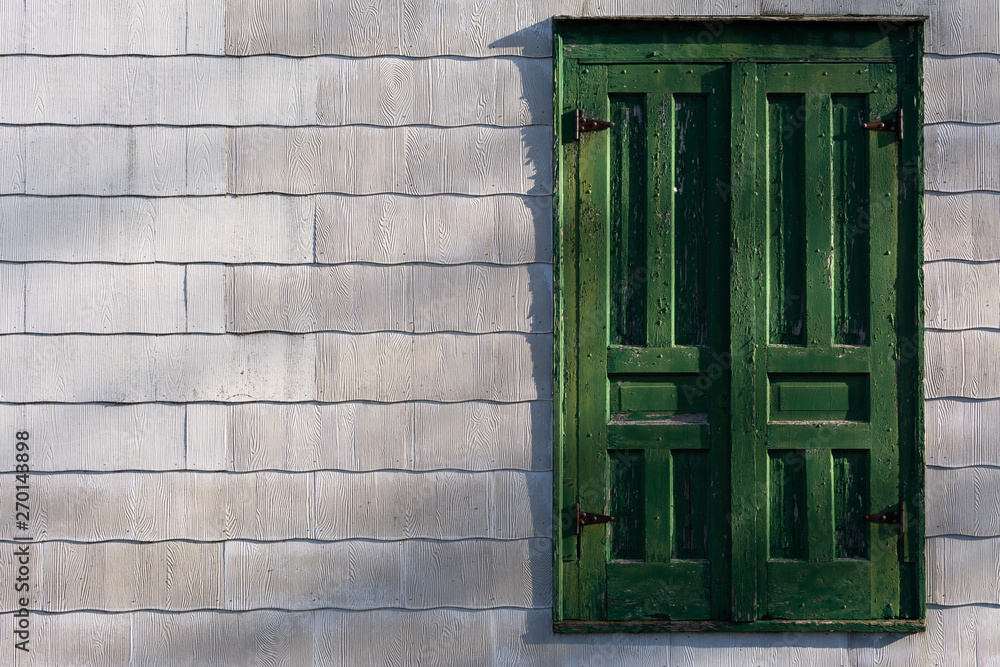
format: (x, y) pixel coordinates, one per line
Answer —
(280, 328)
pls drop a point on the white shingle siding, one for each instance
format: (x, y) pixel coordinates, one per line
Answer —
(311, 423)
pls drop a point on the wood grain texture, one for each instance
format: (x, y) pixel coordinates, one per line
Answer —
(168, 506)
(352, 298)
(267, 90)
(96, 437)
(962, 27)
(77, 639)
(963, 570)
(427, 27)
(962, 364)
(965, 501)
(103, 298)
(205, 438)
(12, 158)
(124, 576)
(105, 27)
(441, 505)
(12, 27)
(12, 298)
(311, 575)
(127, 369)
(443, 229)
(156, 161)
(959, 295)
(205, 298)
(962, 226)
(771, 650)
(206, 27)
(363, 298)
(960, 432)
(846, 7)
(412, 160)
(477, 574)
(958, 89)
(440, 367)
(954, 636)
(960, 158)
(434, 91)
(479, 298)
(371, 436)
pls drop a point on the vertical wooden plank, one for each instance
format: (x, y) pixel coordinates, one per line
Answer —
(592, 335)
(691, 153)
(883, 156)
(820, 506)
(627, 221)
(786, 201)
(659, 110)
(565, 281)
(12, 298)
(658, 497)
(691, 522)
(851, 222)
(627, 483)
(850, 493)
(748, 330)
(819, 219)
(787, 513)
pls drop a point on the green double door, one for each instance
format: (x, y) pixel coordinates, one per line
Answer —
(734, 256)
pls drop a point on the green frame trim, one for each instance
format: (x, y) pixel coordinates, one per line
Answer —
(896, 40)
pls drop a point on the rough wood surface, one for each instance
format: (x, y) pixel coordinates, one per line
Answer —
(960, 295)
(12, 27)
(475, 160)
(12, 154)
(354, 298)
(158, 161)
(846, 7)
(965, 501)
(104, 298)
(79, 638)
(960, 432)
(957, 635)
(96, 437)
(206, 27)
(168, 506)
(372, 436)
(358, 298)
(960, 158)
(12, 298)
(265, 228)
(205, 298)
(124, 576)
(772, 650)
(962, 226)
(962, 364)
(963, 570)
(128, 369)
(441, 367)
(440, 505)
(963, 27)
(445, 229)
(959, 89)
(106, 27)
(267, 90)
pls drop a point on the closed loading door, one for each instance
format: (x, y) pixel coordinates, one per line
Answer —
(735, 240)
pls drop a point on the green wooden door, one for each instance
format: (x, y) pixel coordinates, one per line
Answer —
(734, 402)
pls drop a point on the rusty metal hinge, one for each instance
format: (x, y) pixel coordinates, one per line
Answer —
(894, 123)
(584, 124)
(588, 518)
(896, 517)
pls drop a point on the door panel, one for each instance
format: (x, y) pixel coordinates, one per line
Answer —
(831, 295)
(734, 251)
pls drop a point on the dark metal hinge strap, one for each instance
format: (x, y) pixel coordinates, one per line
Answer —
(584, 124)
(894, 516)
(892, 124)
(588, 518)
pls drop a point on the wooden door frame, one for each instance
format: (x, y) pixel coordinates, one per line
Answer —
(895, 40)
